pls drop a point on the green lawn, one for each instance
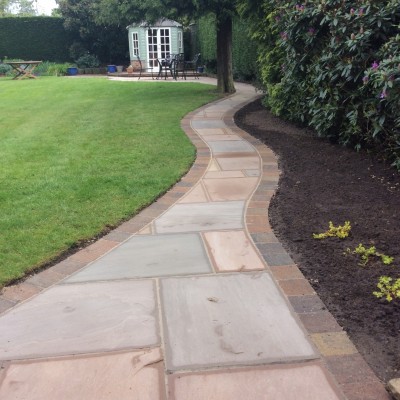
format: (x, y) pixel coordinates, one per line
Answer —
(79, 154)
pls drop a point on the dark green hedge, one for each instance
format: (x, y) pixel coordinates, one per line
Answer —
(244, 51)
(34, 38)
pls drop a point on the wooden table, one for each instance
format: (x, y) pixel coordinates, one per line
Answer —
(23, 69)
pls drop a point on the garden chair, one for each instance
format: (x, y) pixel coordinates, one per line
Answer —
(192, 65)
(179, 66)
(142, 68)
(166, 65)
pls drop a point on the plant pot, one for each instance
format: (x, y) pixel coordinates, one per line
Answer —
(120, 68)
(72, 71)
(200, 70)
(129, 69)
(111, 68)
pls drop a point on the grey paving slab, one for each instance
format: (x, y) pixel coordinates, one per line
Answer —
(174, 255)
(202, 217)
(231, 146)
(81, 318)
(229, 320)
(210, 123)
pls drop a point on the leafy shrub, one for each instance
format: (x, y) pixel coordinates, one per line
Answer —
(333, 65)
(5, 69)
(52, 69)
(88, 61)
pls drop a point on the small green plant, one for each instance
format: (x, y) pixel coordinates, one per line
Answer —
(387, 289)
(365, 254)
(335, 231)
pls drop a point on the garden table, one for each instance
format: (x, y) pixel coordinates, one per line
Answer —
(23, 69)
(165, 65)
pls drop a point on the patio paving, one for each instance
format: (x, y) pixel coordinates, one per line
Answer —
(194, 298)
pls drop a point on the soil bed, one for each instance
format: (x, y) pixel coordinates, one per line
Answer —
(322, 182)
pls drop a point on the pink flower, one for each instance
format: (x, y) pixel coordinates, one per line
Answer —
(383, 94)
(311, 31)
(375, 65)
(361, 12)
(365, 79)
(352, 11)
(284, 35)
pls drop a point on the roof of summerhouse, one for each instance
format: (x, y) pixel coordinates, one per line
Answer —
(161, 23)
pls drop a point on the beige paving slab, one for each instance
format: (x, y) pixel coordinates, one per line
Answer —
(230, 319)
(201, 217)
(290, 382)
(196, 195)
(213, 166)
(232, 251)
(210, 131)
(223, 174)
(214, 138)
(81, 318)
(238, 163)
(230, 188)
(135, 375)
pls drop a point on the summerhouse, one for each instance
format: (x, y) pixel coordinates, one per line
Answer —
(150, 42)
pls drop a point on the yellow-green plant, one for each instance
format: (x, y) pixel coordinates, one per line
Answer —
(366, 253)
(335, 231)
(387, 289)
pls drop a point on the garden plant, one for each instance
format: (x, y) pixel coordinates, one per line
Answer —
(333, 65)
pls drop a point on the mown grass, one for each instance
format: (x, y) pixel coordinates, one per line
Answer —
(77, 155)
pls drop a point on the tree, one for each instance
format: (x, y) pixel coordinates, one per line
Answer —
(124, 12)
(107, 41)
(18, 7)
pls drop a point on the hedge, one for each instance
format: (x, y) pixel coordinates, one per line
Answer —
(244, 50)
(34, 38)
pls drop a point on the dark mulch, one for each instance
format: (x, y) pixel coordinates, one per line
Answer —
(322, 182)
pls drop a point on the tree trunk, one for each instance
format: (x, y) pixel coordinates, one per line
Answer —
(224, 54)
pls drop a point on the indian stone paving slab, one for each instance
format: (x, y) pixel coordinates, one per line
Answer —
(232, 251)
(196, 195)
(81, 318)
(136, 375)
(181, 254)
(230, 188)
(308, 381)
(208, 124)
(201, 217)
(216, 138)
(238, 163)
(231, 146)
(229, 320)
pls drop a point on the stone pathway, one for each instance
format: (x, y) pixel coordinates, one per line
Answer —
(194, 298)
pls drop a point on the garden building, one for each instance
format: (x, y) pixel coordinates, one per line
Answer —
(156, 41)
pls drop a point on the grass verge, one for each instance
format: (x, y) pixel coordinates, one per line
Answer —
(78, 155)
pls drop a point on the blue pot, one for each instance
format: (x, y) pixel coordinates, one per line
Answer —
(111, 68)
(72, 71)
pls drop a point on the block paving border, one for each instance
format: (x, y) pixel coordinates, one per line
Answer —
(353, 375)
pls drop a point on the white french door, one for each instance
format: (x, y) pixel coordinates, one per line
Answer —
(159, 45)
